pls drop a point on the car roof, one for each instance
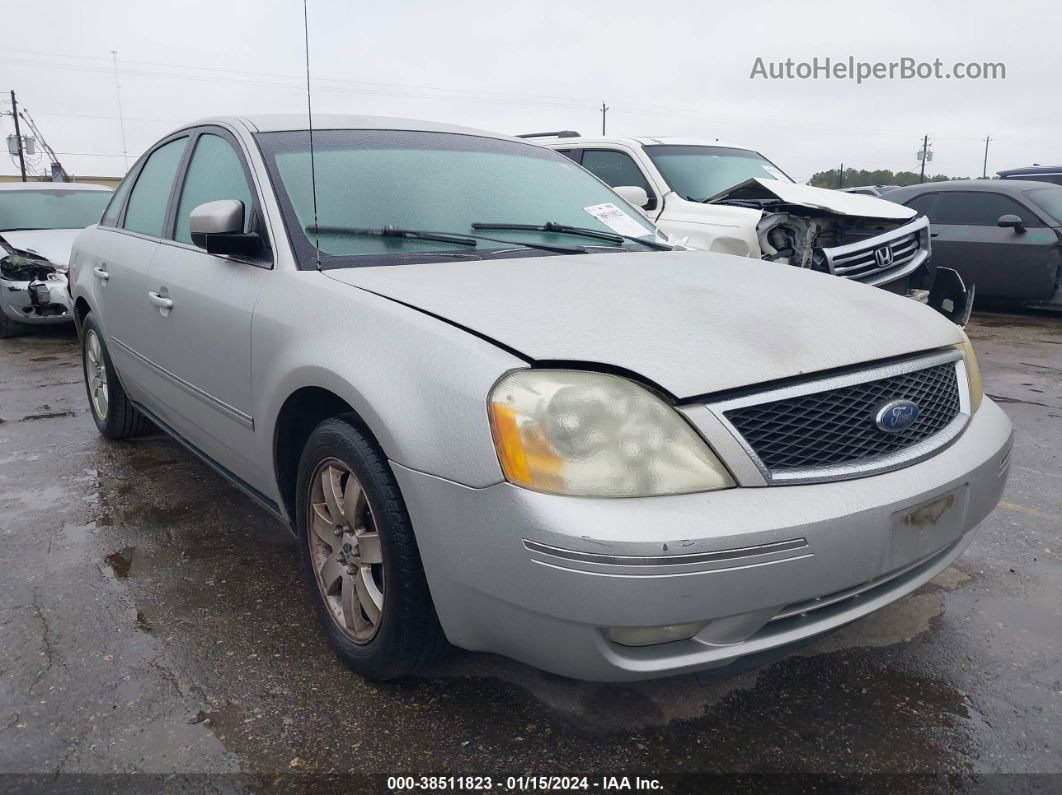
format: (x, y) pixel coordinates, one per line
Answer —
(994, 185)
(63, 186)
(294, 122)
(584, 140)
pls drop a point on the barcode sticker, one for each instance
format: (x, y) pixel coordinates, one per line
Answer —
(617, 220)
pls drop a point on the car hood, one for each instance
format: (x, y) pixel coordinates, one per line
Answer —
(692, 322)
(52, 244)
(834, 201)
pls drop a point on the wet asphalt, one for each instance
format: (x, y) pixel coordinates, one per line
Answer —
(153, 619)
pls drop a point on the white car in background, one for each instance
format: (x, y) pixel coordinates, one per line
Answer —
(38, 224)
(731, 199)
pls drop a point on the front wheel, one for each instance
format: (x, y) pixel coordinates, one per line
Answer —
(360, 556)
(112, 411)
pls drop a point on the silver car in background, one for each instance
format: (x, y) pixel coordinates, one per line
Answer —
(38, 224)
(497, 411)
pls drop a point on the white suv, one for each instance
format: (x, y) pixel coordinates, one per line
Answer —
(731, 199)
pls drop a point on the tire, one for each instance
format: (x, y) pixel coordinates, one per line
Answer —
(372, 524)
(115, 416)
(11, 328)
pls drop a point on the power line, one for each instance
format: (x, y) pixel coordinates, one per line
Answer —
(418, 91)
(111, 116)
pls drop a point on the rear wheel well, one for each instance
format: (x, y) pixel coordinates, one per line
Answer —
(303, 411)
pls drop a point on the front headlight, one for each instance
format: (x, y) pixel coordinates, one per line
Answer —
(595, 435)
(973, 372)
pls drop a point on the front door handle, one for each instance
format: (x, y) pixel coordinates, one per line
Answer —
(100, 272)
(161, 301)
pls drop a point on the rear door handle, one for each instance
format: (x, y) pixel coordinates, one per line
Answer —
(160, 300)
(100, 272)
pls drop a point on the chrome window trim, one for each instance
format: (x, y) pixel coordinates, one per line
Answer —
(856, 469)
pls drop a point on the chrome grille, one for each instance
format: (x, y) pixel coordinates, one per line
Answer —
(858, 264)
(836, 427)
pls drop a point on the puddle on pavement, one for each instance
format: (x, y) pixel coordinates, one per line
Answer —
(119, 563)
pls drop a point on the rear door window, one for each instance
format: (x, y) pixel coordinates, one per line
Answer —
(150, 196)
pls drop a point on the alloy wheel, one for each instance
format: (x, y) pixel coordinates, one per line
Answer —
(96, 375)
(345, 550)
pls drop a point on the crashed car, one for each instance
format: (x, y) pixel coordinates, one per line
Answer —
(38, 224)
(731, 199)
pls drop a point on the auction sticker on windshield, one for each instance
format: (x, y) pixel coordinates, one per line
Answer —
(617, 220)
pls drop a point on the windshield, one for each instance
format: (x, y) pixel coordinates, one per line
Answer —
(434, 182)
(51, 209)
(1049, 200)
(700, 172)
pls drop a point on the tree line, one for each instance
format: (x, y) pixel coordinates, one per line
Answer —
(856, 177)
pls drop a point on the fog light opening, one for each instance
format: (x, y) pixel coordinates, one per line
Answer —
(653, 636)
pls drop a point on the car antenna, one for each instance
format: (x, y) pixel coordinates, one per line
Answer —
(309, 118)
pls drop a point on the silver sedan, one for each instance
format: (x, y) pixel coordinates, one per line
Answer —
(499, 412)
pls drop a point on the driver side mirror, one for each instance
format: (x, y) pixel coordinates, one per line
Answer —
(1013, 221)
(632, 194)
(217, 227)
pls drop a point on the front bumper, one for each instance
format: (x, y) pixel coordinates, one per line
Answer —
(22, 301)
(538, 577)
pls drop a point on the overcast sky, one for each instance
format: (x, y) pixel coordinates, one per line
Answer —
(672, 68)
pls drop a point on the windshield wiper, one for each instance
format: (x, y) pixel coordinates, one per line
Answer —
(394, 231)
(563, 229)
(440, 237)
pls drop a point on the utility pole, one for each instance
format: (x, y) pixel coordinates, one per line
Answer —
(18, 136)
(604, 110)
(57, 167)
(984, 171)
(923, 158)
(840, 177)
(121, 116)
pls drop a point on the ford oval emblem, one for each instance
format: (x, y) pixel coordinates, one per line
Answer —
(896, 415)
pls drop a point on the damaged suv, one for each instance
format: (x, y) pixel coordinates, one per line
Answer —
(38, 224)
(496, 410)
(731, 199)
